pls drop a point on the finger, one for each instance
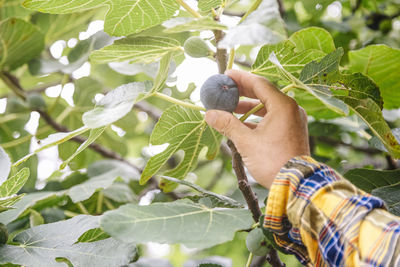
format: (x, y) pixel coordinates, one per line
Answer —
(228, 125)
(245, 106)
(255, 86)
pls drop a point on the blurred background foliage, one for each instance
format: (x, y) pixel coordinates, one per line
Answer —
(60, 83)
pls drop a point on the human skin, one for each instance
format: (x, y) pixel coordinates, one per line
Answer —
(281, 134)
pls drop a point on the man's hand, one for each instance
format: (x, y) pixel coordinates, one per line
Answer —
(282, 134)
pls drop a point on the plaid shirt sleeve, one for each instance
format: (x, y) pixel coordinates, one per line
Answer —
(325, 220)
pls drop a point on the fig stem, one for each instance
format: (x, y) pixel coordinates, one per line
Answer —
(287, 88)
(177, 101)
(231, 58)
(249, 259)
(251, 111)
(188, 8)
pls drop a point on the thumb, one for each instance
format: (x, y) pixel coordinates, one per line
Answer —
(227, 124)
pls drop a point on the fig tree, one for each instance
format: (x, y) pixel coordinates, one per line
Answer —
(219, 92)
(196, 47)
(256, 242)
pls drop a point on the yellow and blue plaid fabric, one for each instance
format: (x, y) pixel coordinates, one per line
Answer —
(325, 220)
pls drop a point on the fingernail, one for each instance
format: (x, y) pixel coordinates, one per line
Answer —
(211, 117)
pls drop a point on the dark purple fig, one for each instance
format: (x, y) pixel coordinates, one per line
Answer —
(219, 92)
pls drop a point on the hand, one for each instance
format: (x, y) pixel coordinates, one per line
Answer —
(282, 133)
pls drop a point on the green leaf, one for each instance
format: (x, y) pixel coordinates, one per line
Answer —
(389, 194)
(93, 135)
(162, 74)
(120, 192)
(12, 9)
(371, 114)
(12, 185)
(7, 203)
(123, 17)
(114, 105)
(220, 199)
(207, 5)
(143, 49)
(368, 180)
(174, 222)
(357, 91)
(183, 129)
(101, 175)
(41, 245)
(290, 60)
(35, 218)
(319, 92)
(20, 41)
(61, 27)
(317, 71)
(191, 24)
(93, 235)
(381, 63)
(313, 38)
(26, 202)
(53, 140)
(5, 165)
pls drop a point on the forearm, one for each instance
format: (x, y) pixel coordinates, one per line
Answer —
(331, 221)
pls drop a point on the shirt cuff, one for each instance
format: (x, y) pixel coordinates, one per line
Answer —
(290, 186)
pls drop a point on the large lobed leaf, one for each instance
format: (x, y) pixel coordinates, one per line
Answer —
(123, 17)
(303, 46)
(193, 225)
(29, 200)
(292, 61)
(369, 180)
(143, 49)
(183, 129)
(324, 81)
(114, 105)
(41, 245)
(382, 64)
(12, 9)
(10, 188)
(20, 41)
(313, 38)
(102, 174)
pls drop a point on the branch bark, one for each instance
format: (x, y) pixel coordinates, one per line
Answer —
(249, 196)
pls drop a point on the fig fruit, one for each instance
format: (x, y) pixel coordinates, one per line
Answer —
(36, 101)
(219, 92)
(256, 242)
(196, 47)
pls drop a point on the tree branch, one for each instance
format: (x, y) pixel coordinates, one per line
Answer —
(14, 85)
(249, 196)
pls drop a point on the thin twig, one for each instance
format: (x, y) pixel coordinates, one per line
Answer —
(14, 85)
(249, 196)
